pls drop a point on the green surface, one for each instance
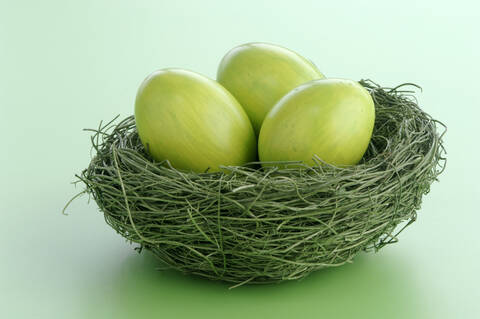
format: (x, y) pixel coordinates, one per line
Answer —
(67, 65)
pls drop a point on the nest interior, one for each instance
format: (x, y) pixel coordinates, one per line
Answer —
(257, 225)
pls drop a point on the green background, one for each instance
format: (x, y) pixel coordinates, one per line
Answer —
(66, 65)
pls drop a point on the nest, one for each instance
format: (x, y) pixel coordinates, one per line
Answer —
(251, 224)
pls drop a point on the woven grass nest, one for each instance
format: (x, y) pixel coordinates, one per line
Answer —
(258, 225)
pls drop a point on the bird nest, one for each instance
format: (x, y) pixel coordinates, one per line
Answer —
(254, 224)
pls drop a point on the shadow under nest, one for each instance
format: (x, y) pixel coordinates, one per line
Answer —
(261, 225)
